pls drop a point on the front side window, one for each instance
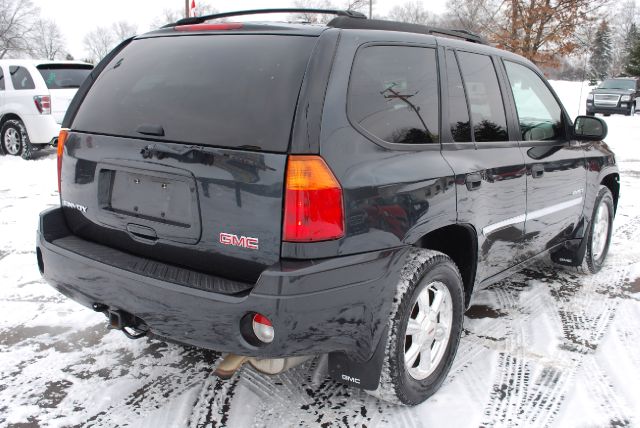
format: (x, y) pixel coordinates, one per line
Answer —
(1, 80)
(539, 113)
(21, 78)
(393, 94)
(485, 99)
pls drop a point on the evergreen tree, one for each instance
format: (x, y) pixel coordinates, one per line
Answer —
(632, 60)
(601, 52)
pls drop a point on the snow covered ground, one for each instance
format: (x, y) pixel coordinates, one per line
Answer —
(548, 347)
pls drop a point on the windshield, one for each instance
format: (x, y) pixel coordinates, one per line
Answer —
(64, 76)
(235, 91)
(618, 84)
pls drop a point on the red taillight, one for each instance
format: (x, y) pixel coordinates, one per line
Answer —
(209, 27)
(61, 140)
(313, 208)
(43, 103)
(262, 328)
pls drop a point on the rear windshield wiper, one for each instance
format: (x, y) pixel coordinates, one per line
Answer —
(194, 154)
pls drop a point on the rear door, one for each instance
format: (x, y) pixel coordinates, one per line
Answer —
(556, 174)
(489, 166)
(63, 80)
(178, 151)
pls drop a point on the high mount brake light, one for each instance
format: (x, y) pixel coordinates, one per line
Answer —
(62, 138)
(209, 27)
(313, 208)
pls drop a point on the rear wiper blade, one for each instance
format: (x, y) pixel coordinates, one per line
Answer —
(195, 154)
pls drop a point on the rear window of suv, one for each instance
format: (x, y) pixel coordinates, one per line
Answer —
(237, 91)
(64, 76)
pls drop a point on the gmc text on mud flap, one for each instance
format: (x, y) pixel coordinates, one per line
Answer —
(351, 379)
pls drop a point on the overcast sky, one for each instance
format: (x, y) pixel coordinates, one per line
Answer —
(78, 17)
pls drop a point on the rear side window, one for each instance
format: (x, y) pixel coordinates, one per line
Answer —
(393, 94)
(64, 76)
(21, 78)
(1, 79)
(235, 91)
(539, 113)
(485, 99)
(458, 112)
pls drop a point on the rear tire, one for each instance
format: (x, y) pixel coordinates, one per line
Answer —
(600, 229)
(424, 328)
(15, 139)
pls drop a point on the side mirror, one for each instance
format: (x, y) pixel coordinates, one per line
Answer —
(589, 128)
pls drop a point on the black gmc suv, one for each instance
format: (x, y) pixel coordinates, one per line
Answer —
(614, 96)
(276, 191)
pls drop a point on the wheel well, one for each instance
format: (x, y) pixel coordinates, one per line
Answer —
(461, 244)
(612, 181)
(8, 116)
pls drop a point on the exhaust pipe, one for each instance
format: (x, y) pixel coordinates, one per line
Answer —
(229, 365)
(270, 366)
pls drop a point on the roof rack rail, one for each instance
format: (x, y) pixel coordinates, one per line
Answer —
(345, 22)
(200, 19)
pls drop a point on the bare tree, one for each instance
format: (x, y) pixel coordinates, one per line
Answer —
(169, 16)
(47, 41)
(99, 42)
(412, 11)
(623, 16)
(471, 15)
(16, 26)
(122, 30)
(314, 18)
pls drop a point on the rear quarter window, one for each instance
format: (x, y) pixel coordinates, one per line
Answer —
(237, 91)
(21, 78)
(393, 94)
(1, 79)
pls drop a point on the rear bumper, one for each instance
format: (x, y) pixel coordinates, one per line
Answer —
(42, 129)
(339, 304)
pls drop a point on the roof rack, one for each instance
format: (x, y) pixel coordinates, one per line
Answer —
(351, 14)
(345, 22)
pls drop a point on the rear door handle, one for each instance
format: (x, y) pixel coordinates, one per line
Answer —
(537, 171)
(473, 181)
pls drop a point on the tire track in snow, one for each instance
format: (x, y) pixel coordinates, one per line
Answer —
(602, 393)
(516, 397)
(191, 369)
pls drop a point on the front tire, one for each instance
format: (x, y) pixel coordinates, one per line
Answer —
(15, 139)
(424, 328)
(600, 230)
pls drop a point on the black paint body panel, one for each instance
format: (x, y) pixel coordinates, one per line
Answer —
(324, 297)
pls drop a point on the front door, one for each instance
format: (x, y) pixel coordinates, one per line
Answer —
(556, 174)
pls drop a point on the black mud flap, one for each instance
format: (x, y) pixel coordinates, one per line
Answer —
(571, 253)
(364, 375)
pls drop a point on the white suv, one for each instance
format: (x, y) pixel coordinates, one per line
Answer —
(34, 96)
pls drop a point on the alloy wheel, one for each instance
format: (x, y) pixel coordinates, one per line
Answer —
(12, 141)
(428, 330)
(600, 231)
